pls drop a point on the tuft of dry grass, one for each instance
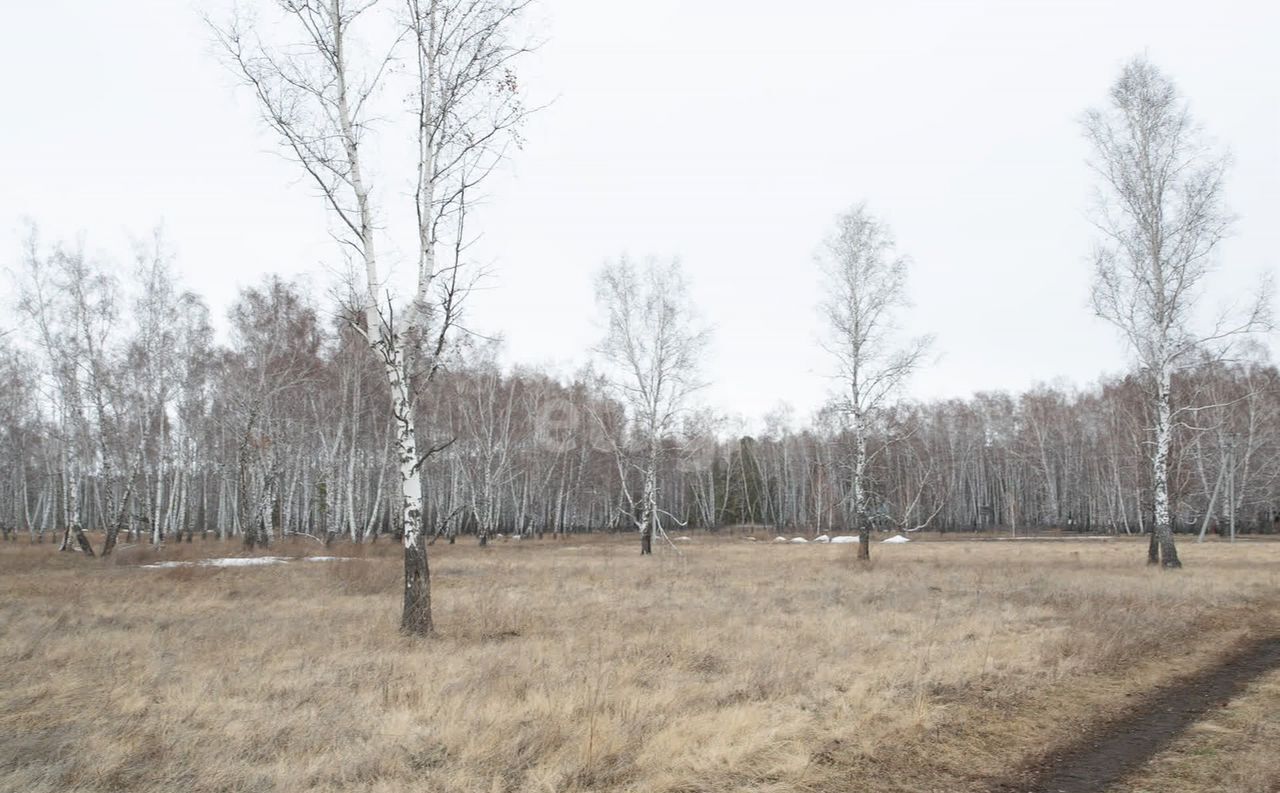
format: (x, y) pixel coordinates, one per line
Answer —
(580, 666)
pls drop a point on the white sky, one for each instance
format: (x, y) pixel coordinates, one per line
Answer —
(725, 132)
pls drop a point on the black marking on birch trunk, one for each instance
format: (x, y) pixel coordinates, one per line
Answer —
(415, 619)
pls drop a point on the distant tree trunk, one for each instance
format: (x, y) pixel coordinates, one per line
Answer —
(352, 526)
(859, 490)
(248, 529)
(1163, 527)
(71, 494)
(157, 509)
(121, 519)
(223, 512)
(649, 514)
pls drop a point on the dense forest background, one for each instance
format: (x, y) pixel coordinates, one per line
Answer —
(120, 410)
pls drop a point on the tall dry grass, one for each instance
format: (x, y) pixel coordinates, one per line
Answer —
(579, 666)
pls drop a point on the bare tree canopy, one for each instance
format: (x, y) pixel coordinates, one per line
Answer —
(1161, 212)
(651, 349)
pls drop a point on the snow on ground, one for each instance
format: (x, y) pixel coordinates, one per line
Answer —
(822, 538)
(230, 561)
(898, 540)
(799, 540)
(241, 561)
(779, 539)
(843, 539)
(682, 539)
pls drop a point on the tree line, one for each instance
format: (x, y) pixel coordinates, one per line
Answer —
(123, 417)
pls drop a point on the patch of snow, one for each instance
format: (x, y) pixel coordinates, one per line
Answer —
(799, 540)
(749, 539)
(323, 558)
(225, 562)
(822, 538)
(897, 540)
(779, 539)
(243, 561)
(682, 539)
(843, 539)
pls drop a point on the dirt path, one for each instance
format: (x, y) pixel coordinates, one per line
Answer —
(1114, 749)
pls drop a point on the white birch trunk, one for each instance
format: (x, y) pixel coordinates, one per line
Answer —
(859, 483)
(1162, 550)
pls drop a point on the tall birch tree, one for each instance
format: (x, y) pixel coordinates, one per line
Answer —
(651, 349)
(1159, 208)
(866, 283)
(318, 89)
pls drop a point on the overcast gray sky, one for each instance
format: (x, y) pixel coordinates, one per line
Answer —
(725, 132)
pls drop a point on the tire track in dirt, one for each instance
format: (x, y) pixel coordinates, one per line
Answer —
(1112, 750)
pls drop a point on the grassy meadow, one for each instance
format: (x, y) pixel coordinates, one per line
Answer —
(577, 665)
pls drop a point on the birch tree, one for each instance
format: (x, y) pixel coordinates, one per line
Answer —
(1159, 208)
(20, 437)
(318, 91)
(69, 304)
(866, 283)
(651, 350)
(485, 408)
(275, 346)
(172, 326)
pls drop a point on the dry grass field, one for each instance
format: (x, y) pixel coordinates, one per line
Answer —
(580, 666)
